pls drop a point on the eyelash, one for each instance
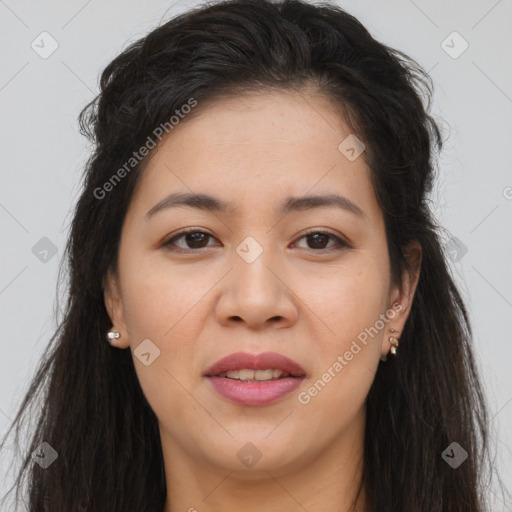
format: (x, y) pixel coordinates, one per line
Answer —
(340, 244)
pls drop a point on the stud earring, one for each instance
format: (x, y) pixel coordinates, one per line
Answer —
(394, 342)
(112, 335)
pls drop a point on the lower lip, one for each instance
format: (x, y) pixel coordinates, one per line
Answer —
(254, 393)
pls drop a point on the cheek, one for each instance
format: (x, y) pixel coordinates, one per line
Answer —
(348, 305)
(348, 300)
(162, 304)
(159, 300)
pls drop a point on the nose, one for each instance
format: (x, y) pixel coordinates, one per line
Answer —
(259, 294)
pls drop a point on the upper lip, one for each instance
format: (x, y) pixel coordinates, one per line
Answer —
(263, 361)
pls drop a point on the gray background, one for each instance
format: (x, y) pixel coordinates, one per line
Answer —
(43, 154)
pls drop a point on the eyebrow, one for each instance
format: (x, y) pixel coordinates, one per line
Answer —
(290, 204)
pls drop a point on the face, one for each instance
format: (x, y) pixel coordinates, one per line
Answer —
(311, 283)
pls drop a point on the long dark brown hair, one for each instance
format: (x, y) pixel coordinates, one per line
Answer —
(92, 410)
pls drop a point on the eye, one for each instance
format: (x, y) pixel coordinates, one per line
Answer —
(318, 240)
(195, 239)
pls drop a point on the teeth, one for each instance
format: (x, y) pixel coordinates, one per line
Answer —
(252, 375)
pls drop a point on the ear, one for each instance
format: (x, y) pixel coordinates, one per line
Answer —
(401, 297)
(115, 309)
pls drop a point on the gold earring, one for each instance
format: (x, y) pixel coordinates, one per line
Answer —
(394, 342)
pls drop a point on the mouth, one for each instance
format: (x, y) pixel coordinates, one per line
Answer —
(248, 379)
(247, 375)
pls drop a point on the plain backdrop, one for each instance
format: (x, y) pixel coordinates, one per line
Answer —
(465, 46)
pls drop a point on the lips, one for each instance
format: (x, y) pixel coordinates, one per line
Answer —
(263, 361)
(254, 392)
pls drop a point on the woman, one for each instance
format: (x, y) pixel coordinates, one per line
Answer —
(254, 226)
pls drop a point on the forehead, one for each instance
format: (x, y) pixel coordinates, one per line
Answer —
(255, 150)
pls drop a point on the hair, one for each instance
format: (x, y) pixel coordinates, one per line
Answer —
(93, 411)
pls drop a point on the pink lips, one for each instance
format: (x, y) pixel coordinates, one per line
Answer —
(255, 393)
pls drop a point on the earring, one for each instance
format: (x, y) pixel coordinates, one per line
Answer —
(112, 335)
(394, 342)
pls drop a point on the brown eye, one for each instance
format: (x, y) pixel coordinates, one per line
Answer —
(318, 241)
(190, 240)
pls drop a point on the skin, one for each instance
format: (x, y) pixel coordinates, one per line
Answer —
(294, 299)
